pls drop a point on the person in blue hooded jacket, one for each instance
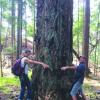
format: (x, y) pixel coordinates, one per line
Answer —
(79, 77)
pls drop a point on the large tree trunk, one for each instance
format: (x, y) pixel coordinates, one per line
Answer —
(54, 47)
(86, 32)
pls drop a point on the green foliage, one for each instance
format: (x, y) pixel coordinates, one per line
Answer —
(89, 91)
(10, 50)
(78, 29)
(94, 33)
(6, 82)
(6, 15)
(4, 4)
(30, 30)
(2, 38)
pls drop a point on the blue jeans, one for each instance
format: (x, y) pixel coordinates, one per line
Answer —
(25, 84)
(77, 87)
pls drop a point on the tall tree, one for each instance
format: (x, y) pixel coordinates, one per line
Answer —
(25, 24)
(19, 28)
(54, 47)
(1, 10)
(86, 32)
(13, 29)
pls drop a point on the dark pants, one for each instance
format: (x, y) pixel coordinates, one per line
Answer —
(25, 84)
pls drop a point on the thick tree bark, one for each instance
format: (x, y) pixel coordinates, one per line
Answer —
(54, 47)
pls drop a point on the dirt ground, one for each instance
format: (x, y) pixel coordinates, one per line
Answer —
(94, 82)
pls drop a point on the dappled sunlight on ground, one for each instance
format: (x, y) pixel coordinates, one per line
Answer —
(92, 82)
(7, 72)
(91, 86)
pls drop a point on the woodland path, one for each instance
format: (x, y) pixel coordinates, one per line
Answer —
(94, 83)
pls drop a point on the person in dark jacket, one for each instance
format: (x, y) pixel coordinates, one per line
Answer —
(79, 77)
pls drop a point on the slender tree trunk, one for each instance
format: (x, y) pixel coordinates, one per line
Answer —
(19, 28)
(86, 32)
(25, 25)
(13, 30)
(34, 25)
(54, 47)
(25, 21)
(1, 10)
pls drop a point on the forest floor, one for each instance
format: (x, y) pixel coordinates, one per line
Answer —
(11, 91)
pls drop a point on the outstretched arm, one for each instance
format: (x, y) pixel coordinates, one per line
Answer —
(68, 67)
(36, 62)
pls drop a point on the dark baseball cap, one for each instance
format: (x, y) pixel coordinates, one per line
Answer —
(26, 51)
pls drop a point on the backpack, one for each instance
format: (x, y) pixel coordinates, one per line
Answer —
(16, 69)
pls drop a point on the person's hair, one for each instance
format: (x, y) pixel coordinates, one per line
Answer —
(82, 57)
